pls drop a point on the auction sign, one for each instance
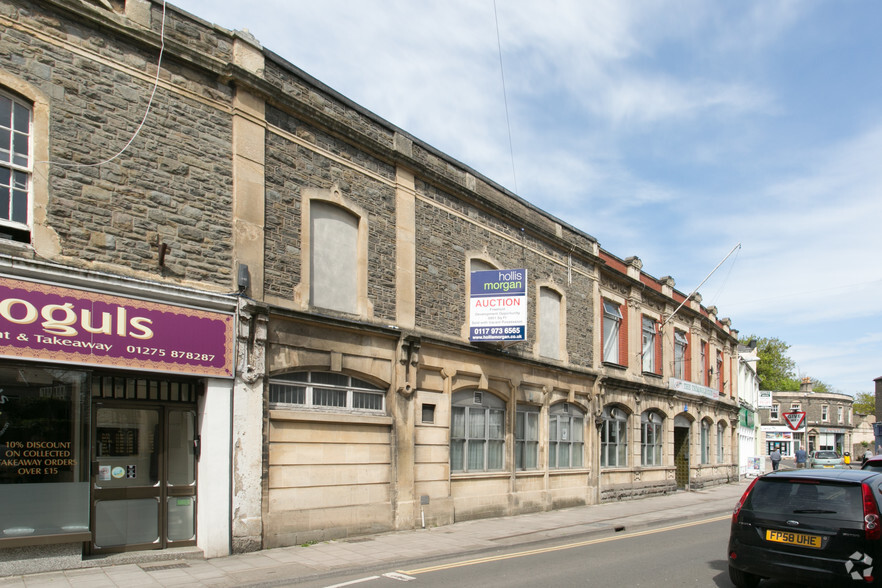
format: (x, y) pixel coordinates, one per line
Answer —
(53, 323)
(498, 305)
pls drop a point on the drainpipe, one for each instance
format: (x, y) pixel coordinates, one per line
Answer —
(598, 425)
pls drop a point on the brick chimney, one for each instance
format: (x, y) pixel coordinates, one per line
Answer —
(806, 386)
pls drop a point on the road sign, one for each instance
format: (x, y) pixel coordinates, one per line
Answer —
(795, 419)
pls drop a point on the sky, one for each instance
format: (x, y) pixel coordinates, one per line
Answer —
(677, 131)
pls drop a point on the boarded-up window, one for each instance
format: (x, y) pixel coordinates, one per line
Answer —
(334, 263)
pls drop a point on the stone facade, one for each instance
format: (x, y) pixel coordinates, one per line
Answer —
(218, 193)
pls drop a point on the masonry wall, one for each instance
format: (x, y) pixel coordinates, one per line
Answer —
(172, 185)
(299, 156)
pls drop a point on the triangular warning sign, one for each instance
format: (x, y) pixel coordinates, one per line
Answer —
(795, 419)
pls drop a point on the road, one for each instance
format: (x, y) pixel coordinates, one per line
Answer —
(688, 554)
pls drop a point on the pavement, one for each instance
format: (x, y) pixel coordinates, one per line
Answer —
(393, 551)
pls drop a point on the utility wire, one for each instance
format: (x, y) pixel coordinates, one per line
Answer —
(505, 98)
(146, 113)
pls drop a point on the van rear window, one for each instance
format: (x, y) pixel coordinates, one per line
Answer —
(837, 501)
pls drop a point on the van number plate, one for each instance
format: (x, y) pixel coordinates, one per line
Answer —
(789, 538)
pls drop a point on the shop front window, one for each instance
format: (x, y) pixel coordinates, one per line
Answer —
(44, 451)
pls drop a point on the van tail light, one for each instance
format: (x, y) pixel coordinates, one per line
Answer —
(747, 492)
(872, 522)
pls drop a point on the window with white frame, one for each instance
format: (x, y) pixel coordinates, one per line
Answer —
(721, 430)
(566, 436)
(680, 347)
(825, 413)
(477, 432)
(16, 168)
(612, 323)
(334, 255)
(702, 364)
(839, 412)
(651, 438)
(549, 323)
(527, 438)
(794, 407)
(325, 391)
(649, 335)
(614, 438)
(705, 442)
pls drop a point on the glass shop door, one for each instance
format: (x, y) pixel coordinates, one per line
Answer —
(143, 477)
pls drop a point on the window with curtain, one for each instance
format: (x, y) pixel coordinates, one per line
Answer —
(612, 322)
(614, 438)
(705, 442)
(527, 438)
(477, 432)
(566, 436)
(680, 346)
(649, 335)
(703, 377)
(651, 438)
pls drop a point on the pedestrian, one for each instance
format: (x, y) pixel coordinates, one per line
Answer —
(800, 457)
(868, 454)
(775, 456)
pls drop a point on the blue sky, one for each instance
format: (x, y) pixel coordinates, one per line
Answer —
(671, 130)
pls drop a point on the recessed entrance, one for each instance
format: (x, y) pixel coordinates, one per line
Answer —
(681, 456)
(144, 469)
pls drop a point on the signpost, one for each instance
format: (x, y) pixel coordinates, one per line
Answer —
(795, 419)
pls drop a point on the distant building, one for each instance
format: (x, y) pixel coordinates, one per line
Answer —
(828, 423)
(748, 412)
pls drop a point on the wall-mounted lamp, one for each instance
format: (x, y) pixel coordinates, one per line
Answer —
(243, 277)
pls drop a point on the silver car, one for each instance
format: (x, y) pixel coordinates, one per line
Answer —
(826, 459)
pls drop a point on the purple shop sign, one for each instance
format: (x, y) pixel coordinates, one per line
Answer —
(52, 323)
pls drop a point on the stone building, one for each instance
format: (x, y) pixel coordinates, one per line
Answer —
(828, 422)
(248, 307)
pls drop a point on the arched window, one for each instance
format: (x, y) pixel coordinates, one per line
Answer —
(681, 345)
(477, 432)
(566, 436)
(721, 430)
(614, 438)
(549, 323)
(333, 265)
(705, 442)
(527, 438)
(651, 438)
(325, 391)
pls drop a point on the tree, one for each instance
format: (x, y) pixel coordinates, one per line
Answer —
(775, 368)
(864, 403)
